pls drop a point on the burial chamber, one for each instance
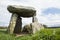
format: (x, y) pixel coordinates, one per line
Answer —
(17, 11)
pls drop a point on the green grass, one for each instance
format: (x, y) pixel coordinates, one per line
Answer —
(45, 34)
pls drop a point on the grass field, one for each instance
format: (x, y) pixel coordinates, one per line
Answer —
(45, 34)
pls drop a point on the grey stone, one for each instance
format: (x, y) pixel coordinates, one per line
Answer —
(36, 27)
(27, 29)
(18, 26)
(23, 11)
(34, 19)
(12, 23)
(33, 27)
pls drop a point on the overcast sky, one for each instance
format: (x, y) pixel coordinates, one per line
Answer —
(48, 11)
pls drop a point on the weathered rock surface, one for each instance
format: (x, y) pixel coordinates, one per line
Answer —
(34, 19)
(33, 27)
(12, 23)
(36, 27)
(18, 26)
(23, 11)
(27, 29)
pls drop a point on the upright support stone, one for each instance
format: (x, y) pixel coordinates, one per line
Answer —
(18, 26)
(34, 19)
(12, 23)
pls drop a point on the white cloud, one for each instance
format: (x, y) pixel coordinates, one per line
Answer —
(38, 4)
(50, 20)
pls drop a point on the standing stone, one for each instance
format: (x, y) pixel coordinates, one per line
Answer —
(12, 23)
(34, 19)
(18, 26)
(27, 29)
(36, 27)
(33, 27)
